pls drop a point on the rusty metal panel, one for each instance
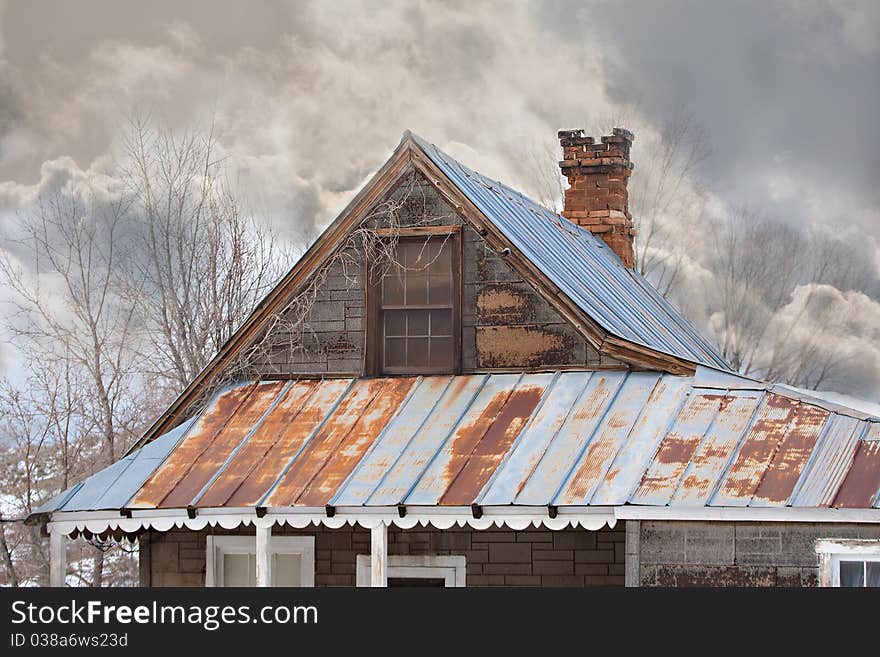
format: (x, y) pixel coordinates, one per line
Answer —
(221, 446)
(546, 423)
(586, 415)
(416, 458)
(452, 454)
(791, 458)
(488, 403)
(756, 451)
(474, 462)
(829, 463)
(261, 440)
(589, 471)
(861, 486)
(291, 429)
(193, 445)
(341, 442)
(678, 446)
(393, 442)
(635, 454)
(735, 415)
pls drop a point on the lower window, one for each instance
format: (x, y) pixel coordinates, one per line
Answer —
(427, 570)
(850, 563)
(232, 561)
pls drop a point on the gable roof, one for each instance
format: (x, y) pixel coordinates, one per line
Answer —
(566, 439)
(583, 267)
(618, 311)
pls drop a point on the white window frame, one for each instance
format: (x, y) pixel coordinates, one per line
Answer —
(832, 551)
(450, 568)
(219, 546)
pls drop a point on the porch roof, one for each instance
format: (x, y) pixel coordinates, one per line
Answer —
(555, 439)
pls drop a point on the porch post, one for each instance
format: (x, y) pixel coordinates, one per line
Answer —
(379, 555)
(57, 557)
(264, 556)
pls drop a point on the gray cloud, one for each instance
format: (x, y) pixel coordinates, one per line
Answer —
(309, 98)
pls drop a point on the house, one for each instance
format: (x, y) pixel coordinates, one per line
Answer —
(456, 386)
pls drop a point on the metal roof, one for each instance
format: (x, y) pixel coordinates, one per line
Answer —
(618, 298)
(601, 438)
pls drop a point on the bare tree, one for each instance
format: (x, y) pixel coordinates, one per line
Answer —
(202, 264)
(776, 298)
(75, 335)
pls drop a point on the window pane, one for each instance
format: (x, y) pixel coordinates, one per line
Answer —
(395, 352)
(441, 322)
(441, 352)
(852, 573)
(417, 352)
(440, 290)
(286, 569)
(873, 574)
(395, 323)
(393, 289)
(416, 289)
(442, 262)
(236, 570)
(417, 323)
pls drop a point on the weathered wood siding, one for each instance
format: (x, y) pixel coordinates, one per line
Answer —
(506, 324)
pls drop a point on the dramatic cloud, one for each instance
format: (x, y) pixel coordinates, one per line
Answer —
(308, 99)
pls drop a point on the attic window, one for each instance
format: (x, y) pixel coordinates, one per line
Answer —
(417, 314)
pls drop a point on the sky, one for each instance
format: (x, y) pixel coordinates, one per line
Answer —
(309, 98)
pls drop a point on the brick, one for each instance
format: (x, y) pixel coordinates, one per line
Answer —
(510, 552)
(562, 580)
(591, 569)
(553, 568)
(594, 556)
(574, 539)
(508, 568)
(522, 580)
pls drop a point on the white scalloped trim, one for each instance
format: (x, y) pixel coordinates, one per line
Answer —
(100, 523)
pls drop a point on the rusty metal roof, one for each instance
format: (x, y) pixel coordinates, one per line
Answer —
(618, 298)
(601, 438)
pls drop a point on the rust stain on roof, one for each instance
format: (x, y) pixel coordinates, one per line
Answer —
(617, 439)
(355, 443)
(269, 432)
(292, 435)
(478, 450)
(792, 456)
(759, 448)
(862, 483)
(221, 445)
(357, 417)
(193, 446)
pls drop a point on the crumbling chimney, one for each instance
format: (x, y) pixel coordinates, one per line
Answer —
(596, 196)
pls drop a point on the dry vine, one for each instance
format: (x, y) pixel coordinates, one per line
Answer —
(286, 330)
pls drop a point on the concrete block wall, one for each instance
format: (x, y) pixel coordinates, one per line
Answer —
(497, 557)
(736, 553)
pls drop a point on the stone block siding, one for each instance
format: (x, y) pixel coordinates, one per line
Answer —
(498, 557)
(506, 324)
(736, 553)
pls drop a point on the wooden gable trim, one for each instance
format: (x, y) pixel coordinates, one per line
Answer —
(333, 237)
(600, 339)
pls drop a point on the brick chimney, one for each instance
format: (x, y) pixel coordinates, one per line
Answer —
(596, 197)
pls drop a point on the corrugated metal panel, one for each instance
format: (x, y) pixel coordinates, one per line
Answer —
(756, 451)
(829, 462)
(560, 439)
(861, 486)
(678, 447)
(699, 480)
(582, 266)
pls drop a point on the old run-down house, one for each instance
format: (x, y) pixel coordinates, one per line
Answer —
(456, 386)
